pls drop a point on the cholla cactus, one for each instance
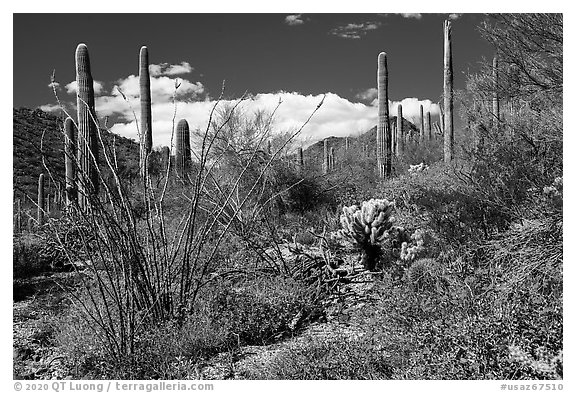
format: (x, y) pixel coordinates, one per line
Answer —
(368, 226)
(418, 168)
(409, 253)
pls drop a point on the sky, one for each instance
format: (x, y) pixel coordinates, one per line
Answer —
(295, 58)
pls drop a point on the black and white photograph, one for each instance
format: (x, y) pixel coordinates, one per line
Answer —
(201, 197)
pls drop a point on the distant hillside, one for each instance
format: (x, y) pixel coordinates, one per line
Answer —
(314, 154)
(28, 126)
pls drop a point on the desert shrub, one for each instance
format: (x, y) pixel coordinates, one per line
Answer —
(27, 258)
(250, 310)
(258, 310)
(319, 358)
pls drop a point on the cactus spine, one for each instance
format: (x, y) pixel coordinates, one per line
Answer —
(87, 129)
(182, 147)
(448, 95)
(495, 101)
(383, 131)
(69, 156)
(326, 163)
(145, 112)
(40, 211)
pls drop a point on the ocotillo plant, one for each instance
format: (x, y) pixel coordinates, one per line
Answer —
(428, 126)
(326, 162)
(495, 101)
(448, 95)
(400, 132)
(182, 148)
(87, 179)
(69, 160)
(383, 131)
(145, 112)
(421, 123)
(40, 211)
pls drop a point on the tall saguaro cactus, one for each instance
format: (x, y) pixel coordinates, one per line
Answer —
(495, 98)
(428, 126)
(448, 95)
(383, 131)
(400, 132)
(422, 123)
(145, 112)
(40, 211)
(331, 159)
(326, 162)
(87, 129)
(182, 147)
(300, 160)
(69, 160)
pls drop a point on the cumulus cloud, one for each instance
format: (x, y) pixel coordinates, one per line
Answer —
(170, 69)
(415, 16)
(294, 20)
(50, 108)
(454, 16)
(72, 87)
(368, 94)
(354, 30)
(338, 116)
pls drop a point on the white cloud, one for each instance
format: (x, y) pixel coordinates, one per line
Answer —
(354, 30)
(50, 108)
(170, 69)
(415, 16)
(368, 94)
(293, 20)
(338, 116)
(454, 16)
(72, 87)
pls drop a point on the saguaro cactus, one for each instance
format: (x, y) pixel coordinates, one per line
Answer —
(326, 162)
(400, 132)
(87, 128)
(421, 123)
(40, 211)
(331, 159)
(448, 95)
(495, 99)
(383, 131)
(428, 126)
(182, 147)
(300, 160)
(145, 111)
(69, 160)
(346, 143)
